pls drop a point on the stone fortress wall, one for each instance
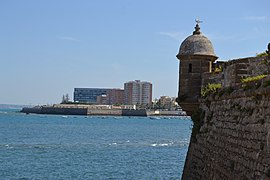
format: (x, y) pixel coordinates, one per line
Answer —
(229, 103)
(231, 134)
(234, 70)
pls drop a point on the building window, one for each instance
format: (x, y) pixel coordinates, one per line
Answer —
(190, 68)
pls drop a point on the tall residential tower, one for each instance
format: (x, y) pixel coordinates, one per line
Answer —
(138, 93)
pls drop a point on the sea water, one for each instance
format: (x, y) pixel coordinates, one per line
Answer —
(80, 147)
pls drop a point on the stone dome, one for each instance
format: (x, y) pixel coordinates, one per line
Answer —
(196, 44)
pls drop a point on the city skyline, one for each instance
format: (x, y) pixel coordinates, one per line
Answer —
(48, 48)
(135, 92)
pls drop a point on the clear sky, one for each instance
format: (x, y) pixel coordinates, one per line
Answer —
(47, 48)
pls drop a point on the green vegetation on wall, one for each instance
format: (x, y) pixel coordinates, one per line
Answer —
(250, 82)
(210, 88)
(263, 54)
(218, 69)
(252, 79)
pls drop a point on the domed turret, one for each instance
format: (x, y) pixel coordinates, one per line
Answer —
(196, 55)
(196, 44)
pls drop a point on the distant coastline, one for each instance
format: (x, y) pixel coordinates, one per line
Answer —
(90, 111)
(13, 106)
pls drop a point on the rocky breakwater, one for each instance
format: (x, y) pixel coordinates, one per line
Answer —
(231, 134)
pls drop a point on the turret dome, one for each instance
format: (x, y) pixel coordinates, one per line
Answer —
(196, 44)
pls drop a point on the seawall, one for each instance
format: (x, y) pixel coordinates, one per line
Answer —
(83, 110)
(231, 132)
(55, 110)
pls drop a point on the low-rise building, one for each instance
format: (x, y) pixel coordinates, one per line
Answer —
(99, 96)
(88, 95)
(166, 102)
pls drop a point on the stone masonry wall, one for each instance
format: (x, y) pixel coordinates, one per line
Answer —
(233, 138)
(231, 132)
(233, 71)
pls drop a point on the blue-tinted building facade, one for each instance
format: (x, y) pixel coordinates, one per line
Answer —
(88, 95)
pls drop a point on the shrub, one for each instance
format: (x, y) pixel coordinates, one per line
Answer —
(263, 54)
(252, 79)
(210, 88)
(218, 69)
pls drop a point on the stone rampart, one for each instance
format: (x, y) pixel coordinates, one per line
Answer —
(231, 132)
(233, 71)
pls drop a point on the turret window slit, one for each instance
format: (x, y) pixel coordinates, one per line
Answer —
(190, 68)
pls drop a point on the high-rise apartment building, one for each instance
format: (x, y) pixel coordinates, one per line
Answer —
(138, 93)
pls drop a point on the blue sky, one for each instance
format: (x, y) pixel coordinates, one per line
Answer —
(50, 47)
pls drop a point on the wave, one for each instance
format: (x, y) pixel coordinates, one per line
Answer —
(162, 144)
(129, 143)
(110, 144)
(122, 144)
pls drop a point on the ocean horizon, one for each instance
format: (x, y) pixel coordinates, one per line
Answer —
(91, 147)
